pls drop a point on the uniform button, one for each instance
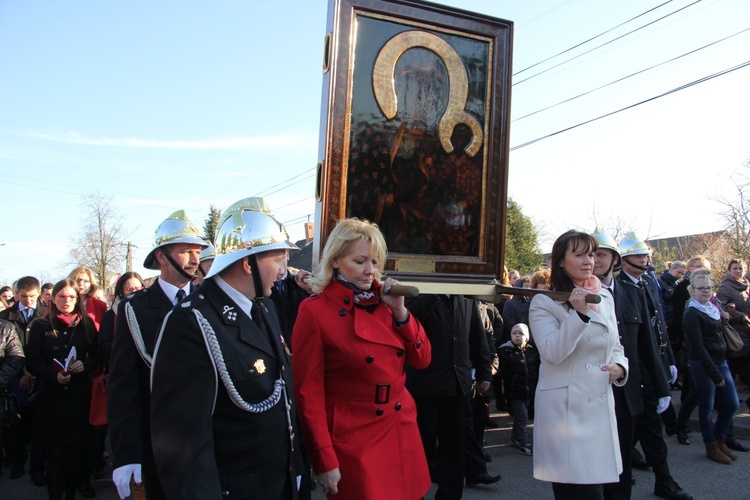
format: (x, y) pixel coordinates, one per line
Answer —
(605, 335)
(604, 397)
(225, 493)
(342, 312)
(400, 353)
(200, 296)
(419, 344)
(346, 300)
(379, 412)
(588, 366)
(251, 371)
(398, 407)
(370, 359)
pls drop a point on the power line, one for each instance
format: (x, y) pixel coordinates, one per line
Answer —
(630, 75)
(677, 89)
(606, 43)
(592, 38)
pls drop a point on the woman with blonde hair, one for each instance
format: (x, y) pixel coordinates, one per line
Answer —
(350, 343)
(87, 287)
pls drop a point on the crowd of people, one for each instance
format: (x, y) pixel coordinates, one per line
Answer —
(232, 375)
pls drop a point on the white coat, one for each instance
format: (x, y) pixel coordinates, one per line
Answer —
(575, 431)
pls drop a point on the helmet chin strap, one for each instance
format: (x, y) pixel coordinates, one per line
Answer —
(177, 266)
(640, 268)
(257, 282)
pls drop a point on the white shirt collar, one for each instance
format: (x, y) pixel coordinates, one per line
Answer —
(171, 291)
(240, 299)
(634, 280)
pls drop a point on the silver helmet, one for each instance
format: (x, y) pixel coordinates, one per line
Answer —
(632, 245)
(604, 240)
(207, 253)
(176, 228)
(247, 228)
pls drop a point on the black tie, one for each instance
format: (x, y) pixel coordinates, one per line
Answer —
(257, 319)
(180, 294)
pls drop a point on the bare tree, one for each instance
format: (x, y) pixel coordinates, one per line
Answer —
(736, 214)
(101, 244)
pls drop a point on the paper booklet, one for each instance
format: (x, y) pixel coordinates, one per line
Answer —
(66, 364)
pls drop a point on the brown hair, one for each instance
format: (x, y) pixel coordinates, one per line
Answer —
(559, 280)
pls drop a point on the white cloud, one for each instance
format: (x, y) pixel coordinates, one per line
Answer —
(273, 141)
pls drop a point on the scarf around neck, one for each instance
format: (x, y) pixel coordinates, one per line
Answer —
(367, 299)
(68, 320)
(709, 309)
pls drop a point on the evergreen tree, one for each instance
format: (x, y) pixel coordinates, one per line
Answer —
(212, 223)
(521, 240)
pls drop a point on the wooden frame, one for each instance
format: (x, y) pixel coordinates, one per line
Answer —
(414, 135)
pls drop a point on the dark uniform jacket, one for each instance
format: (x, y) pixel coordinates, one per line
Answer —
(659, 322)
(15, 316)
(459, 343)
(287, 302)
(668, 283)
(129, 397)
(205, 446)
(638, 341)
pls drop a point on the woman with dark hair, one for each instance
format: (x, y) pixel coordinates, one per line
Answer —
(575, 431)
(128, 283)
(61, 352)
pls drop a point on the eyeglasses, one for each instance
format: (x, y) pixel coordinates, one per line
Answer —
(66, 297)
(704, 288)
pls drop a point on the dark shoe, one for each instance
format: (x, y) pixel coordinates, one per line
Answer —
(525, 449)
(638, 462)
(735, 445)
(671, 430)
(483, 478)
(682, 437)
(491, 424)
(672, 491)
(38, 479)
(16, 471)
(87, 491)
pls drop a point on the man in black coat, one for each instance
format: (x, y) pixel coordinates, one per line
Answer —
(177, 246)
(640, 348)
(442, 391)
(648, 425)
(222, 410)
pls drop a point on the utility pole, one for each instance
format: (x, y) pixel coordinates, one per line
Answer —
(129, 258)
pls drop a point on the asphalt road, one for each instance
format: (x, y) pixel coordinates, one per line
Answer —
(696, 474)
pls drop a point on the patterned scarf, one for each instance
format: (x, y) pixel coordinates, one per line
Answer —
(366, 299)
(708, 309)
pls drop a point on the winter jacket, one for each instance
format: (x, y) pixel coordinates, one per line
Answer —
(520, 370)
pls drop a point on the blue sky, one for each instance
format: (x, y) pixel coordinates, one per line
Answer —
(177, 105)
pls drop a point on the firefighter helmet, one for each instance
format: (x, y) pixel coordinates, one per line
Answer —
(632, 245)
(176, 228)
(247, 228)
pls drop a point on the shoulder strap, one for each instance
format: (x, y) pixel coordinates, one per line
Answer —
(135, 332)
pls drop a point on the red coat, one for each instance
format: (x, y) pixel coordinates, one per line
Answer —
(348, 368)
(95, 309)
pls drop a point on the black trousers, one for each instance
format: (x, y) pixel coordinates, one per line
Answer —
(442, 422)
(648, 431)
(64, 471)
(622, 490)
(565, 491)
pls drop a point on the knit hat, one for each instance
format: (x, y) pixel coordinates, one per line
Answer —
(522, 328)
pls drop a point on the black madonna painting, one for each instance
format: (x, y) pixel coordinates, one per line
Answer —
(416, 134)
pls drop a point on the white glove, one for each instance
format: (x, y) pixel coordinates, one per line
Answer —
(673, 372)
(663, 404)
(121, 477)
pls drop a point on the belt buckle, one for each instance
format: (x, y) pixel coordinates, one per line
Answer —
(382, 393)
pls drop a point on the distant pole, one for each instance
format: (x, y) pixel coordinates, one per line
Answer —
(129, 262)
